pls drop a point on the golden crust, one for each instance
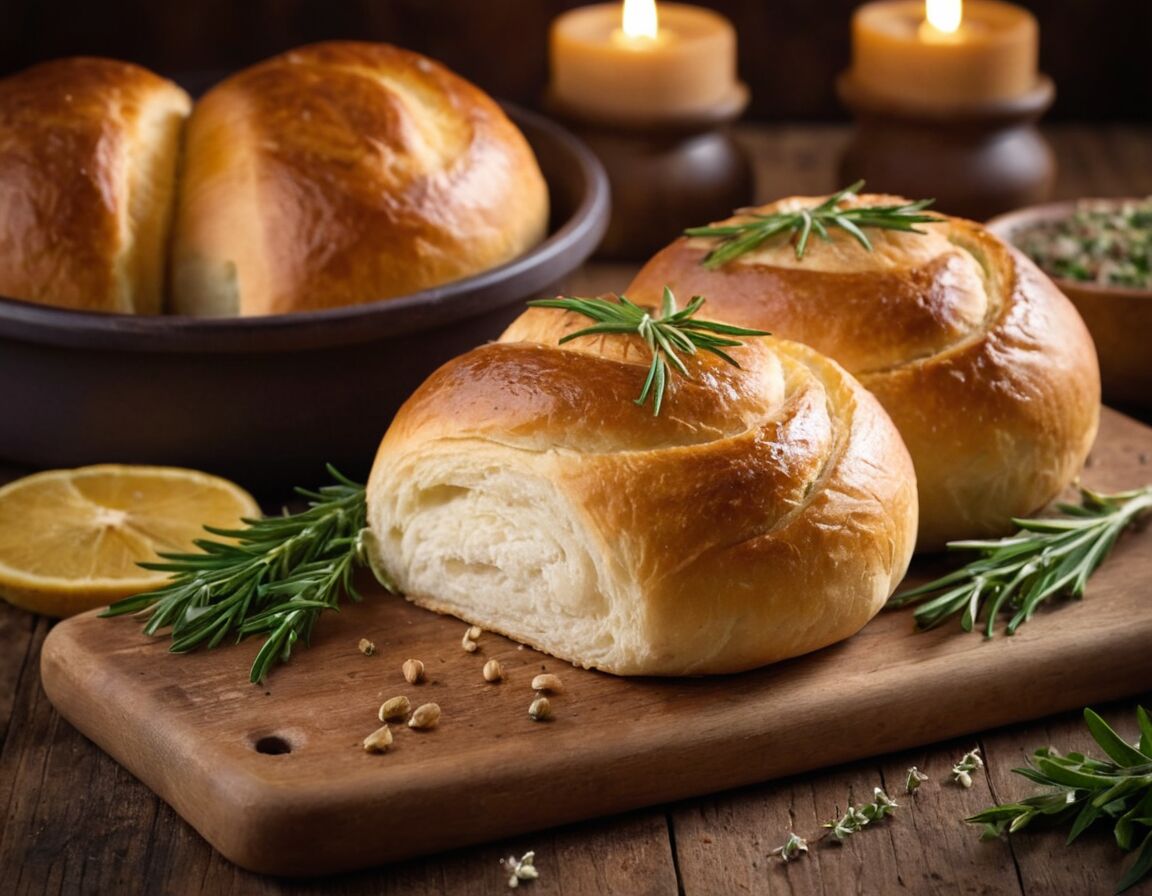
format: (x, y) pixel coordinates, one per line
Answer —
(343, 173)
(88, 152)
(768, 511)
(984, 366)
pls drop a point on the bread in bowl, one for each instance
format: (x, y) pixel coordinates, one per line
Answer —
(88, 151)
(984, 366)
(769, 510)
(345, 172)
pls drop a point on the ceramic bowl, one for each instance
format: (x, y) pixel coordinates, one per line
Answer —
(1119, 318)
(270, 400)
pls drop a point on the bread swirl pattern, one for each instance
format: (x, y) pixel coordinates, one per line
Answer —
(986, 369)
(768, 511)
(344, 172)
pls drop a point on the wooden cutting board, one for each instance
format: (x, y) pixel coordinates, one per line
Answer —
(275, 778)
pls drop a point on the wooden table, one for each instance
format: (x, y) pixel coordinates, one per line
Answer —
(75, 822)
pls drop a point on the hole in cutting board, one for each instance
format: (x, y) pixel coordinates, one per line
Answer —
(271, 745)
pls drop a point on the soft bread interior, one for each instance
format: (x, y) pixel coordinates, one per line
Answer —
(495, 543)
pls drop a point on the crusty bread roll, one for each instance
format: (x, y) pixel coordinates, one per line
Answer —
(768, 511)
(984, 366)
(342, 173)
(88, 151)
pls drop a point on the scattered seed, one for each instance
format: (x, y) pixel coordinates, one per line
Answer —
(467, 643)
(395, 708)
(366, 647)
(425, 716)
(541, 709)
(493, 671)
(413, 671)
(475, 632)
(548, 682)
(378, 741)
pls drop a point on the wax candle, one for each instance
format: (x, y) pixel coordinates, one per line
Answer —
(676, 62)
(983, 52)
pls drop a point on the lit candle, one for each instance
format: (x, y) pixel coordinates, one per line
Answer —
(637, 62)
(938, 52)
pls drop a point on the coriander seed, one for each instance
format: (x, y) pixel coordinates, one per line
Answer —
(474, 632)
(467, 643)
(378, 741)
(425, 716)
(548, 682)
(493, 671)
(413, 671)
(541, 709)
(395, 708)
(366, 647)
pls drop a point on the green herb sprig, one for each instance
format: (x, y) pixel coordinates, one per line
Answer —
(1083, 790)
(1014, 575)
(667, 336)
(799, 225)
(273, 577)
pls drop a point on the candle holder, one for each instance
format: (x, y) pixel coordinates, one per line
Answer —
(976, 160)
(665, 174)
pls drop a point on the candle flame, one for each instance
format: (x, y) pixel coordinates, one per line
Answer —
(639, 19)
(944, 15)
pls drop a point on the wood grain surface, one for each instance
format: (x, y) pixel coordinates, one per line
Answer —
(72, 821)
(259, 770)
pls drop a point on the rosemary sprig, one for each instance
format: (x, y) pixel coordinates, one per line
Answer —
(668, 335)
(1046, 558)
(737, 239)
(273, 577)
(1083, 790)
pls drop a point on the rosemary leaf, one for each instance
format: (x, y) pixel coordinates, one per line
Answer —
(800, 224)
(1015, 575)
(1081, 791)
(672, 334)
(273, 577)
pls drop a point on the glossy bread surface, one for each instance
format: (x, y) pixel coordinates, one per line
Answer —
(984, 366)
(767, 511)
(342, 173)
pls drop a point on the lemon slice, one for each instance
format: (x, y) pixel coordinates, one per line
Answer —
(70, 540)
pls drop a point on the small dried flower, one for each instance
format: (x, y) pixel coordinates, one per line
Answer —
(541, 709)
(858, 817)
(792, 848)
(366, 647)
(548, 682)
(425, 716)
(378, 741)
(467, 643)
(914, 780)
(395, 708)
(413, 671)
(522, 869)
(969, 762)
(493, 671)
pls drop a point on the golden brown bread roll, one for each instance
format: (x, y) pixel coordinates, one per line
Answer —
(768, 511)
(88, 151)
(984, 366)
(342, 173)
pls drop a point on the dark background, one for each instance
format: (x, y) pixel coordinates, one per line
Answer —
(1098, 51)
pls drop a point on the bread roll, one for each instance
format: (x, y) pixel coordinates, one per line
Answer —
(88, 151)
(342, 173)
(768, 511)
(984, 366)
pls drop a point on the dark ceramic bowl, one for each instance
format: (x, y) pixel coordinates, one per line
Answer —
(1119, 318)
(269, 400)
